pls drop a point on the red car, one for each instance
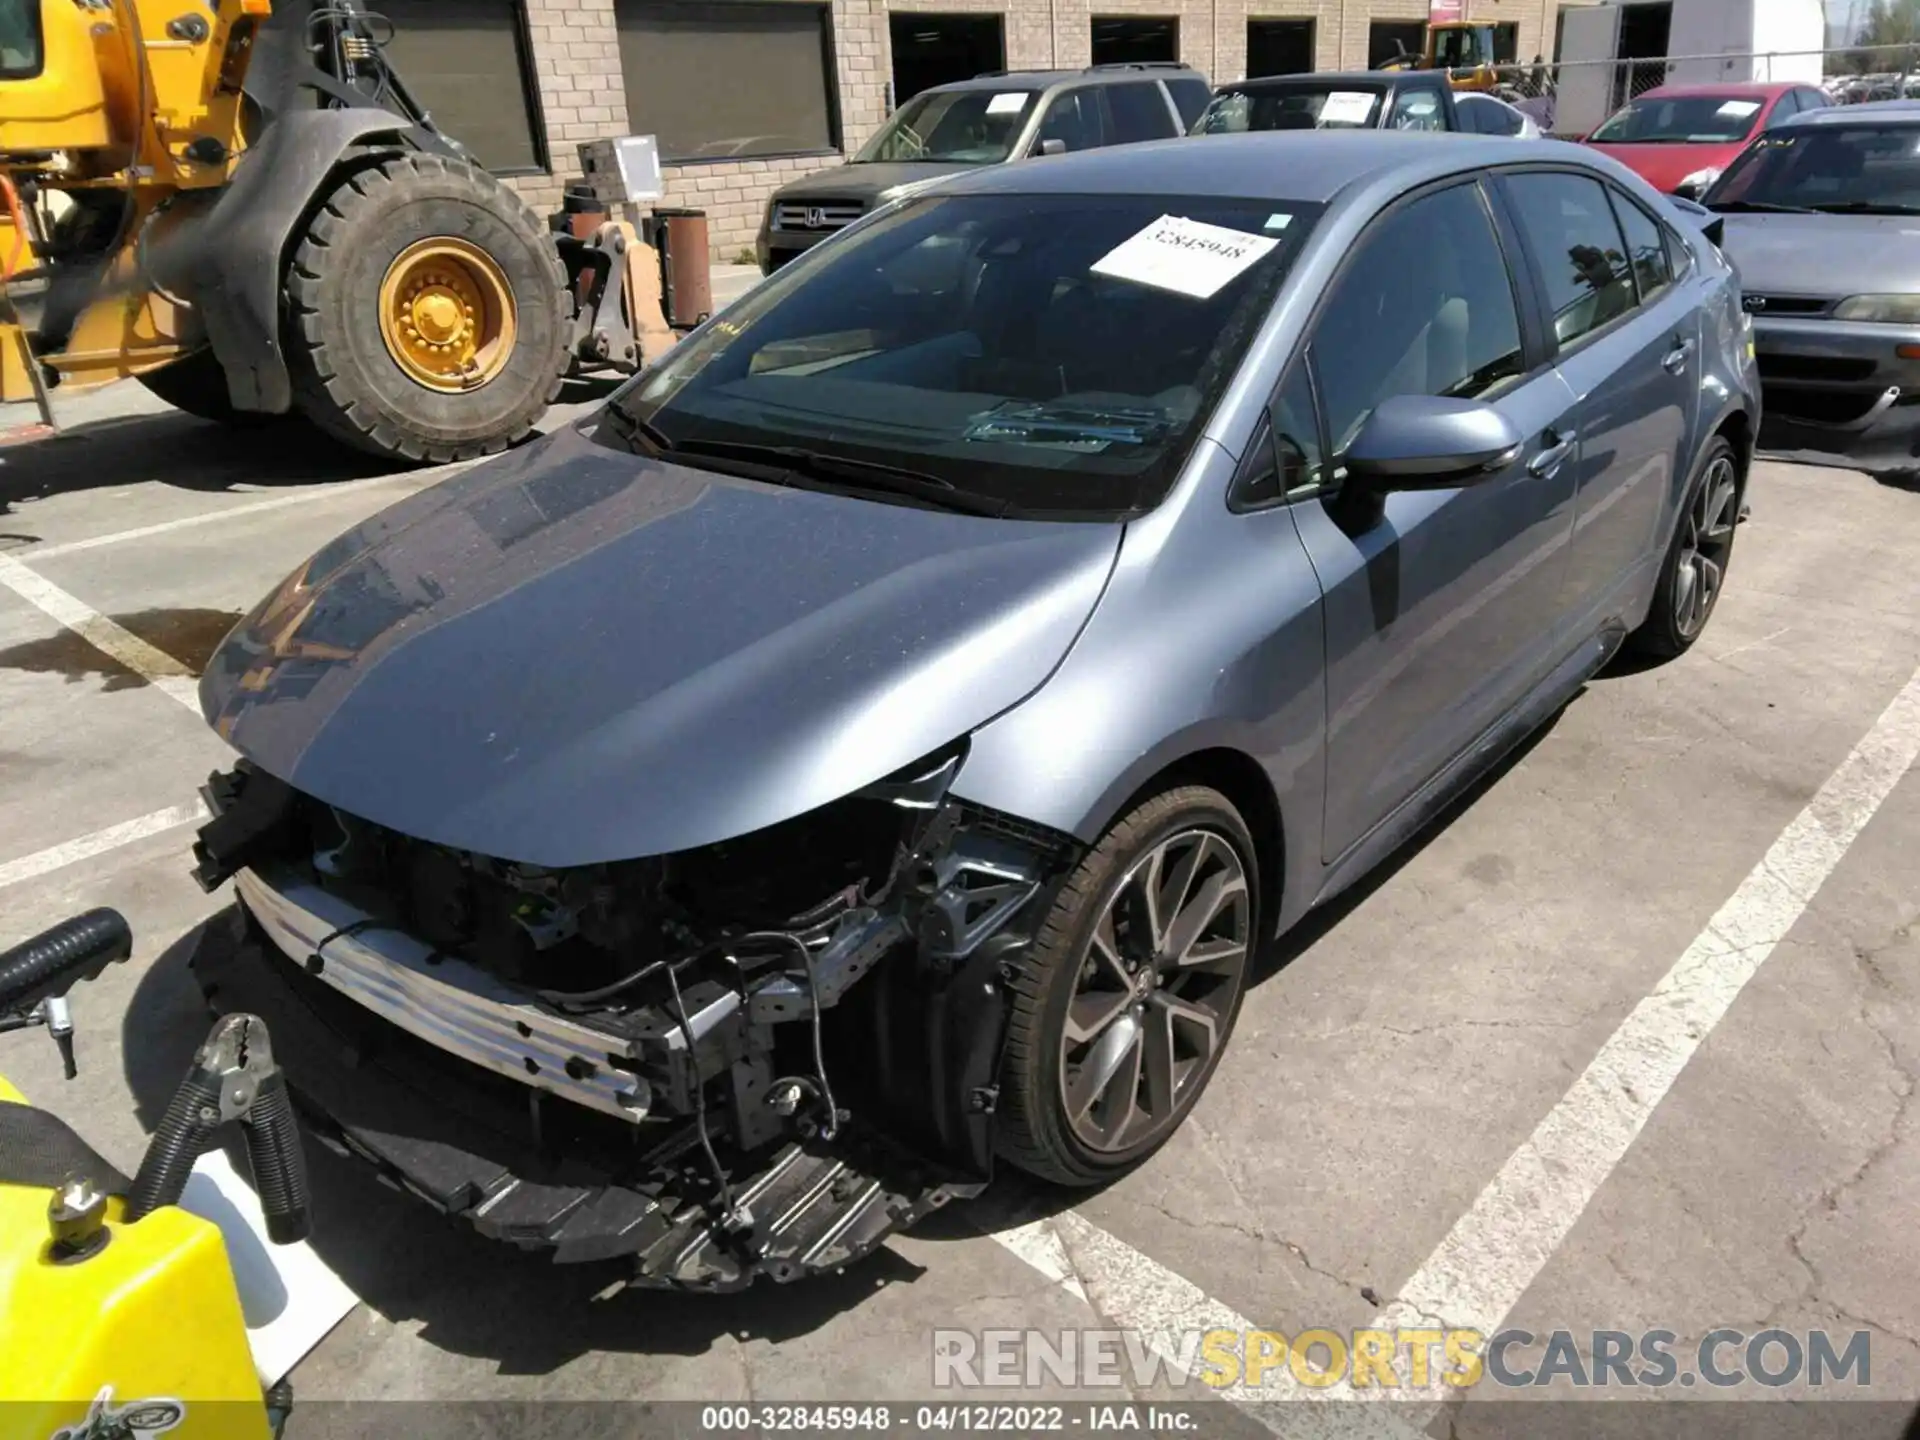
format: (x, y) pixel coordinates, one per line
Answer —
(1678, 138)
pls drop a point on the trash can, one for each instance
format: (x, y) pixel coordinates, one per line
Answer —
(681, 238)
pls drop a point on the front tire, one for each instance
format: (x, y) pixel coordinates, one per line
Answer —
(1695, 568)
(430, 314)
(1125, 1002)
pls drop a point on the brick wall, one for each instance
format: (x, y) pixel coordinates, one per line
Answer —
(577, 55)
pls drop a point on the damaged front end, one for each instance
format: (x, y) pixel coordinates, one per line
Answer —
(760, 1056)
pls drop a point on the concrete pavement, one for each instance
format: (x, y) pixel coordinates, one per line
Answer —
(1397, 1056)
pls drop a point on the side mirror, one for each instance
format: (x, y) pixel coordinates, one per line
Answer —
(1053, 147)
(1429, 442)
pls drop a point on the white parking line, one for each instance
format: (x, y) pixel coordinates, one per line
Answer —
(207, 517)
(1477, 1274)
(155, 666)
(72, 852)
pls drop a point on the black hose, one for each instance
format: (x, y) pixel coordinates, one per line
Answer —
(39, 967)
(279, 1164)
(192, 1117)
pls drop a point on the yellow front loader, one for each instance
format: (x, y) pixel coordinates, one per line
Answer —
(1462, 48)
(251, 215)
(119, 1315)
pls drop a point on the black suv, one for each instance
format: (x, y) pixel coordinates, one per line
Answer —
(988, 120)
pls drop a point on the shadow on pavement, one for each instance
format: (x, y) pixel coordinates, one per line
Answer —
(467, 1295)
(188, 635)
(176, 449)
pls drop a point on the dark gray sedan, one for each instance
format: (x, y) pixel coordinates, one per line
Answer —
(882, 737)
(1822, 222)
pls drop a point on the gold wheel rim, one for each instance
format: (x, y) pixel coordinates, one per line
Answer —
(447, 314)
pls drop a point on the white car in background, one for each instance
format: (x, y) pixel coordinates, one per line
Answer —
(1489, 115)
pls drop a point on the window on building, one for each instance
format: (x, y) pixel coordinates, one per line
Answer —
(1389, 39)
(728, 80)
(466, 62)
(1118, 41)
(1138, 112)
(1279, 47)
(931, 50)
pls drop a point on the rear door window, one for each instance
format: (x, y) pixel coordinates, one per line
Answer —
(1569, 226)
(1190, 96)
(1646, 247)
(1417, 110)
(1139, 112)
(1074, 119)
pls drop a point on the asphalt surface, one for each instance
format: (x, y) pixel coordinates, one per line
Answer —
(1398, 1057)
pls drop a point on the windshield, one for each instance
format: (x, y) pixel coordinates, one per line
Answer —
(1863, 169)
(1056, 354)
(1294, 108)
(20, 52)
(1458, 47)
(966, 127)
(1682, 120)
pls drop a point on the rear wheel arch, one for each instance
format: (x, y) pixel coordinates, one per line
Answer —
(1737, 426)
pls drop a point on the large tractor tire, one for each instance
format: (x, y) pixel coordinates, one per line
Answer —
(430, 315)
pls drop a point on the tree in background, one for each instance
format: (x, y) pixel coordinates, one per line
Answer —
(1889, 23)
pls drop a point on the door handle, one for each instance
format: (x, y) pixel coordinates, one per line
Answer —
(1549, 460)
(1675, 360)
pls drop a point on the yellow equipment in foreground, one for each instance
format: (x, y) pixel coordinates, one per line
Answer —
(119, 1316)
(250, 214)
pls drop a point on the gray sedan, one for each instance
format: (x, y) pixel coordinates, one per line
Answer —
(1821, 224)
(882, 738)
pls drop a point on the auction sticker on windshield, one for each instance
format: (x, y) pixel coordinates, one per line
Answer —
(1738, 109)
(1188, 257)
(1010, 102)
(1347, 107)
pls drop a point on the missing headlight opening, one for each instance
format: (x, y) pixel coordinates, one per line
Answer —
(758, 1056)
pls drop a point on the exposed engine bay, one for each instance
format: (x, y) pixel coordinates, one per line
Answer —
(766, 1053)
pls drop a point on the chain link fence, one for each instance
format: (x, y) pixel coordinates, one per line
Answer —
(1572, 98)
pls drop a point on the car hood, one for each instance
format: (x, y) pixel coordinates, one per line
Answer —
(573, 654)
(865, 182)
(1827, 256)
(1665, 166)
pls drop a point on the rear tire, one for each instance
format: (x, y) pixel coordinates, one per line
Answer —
(347, 378)
(197, 384)
(1694, 571)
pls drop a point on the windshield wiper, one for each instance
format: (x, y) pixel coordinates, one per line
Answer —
(841, 470)
(1761, 207)
(1867, 207)
(638, 434)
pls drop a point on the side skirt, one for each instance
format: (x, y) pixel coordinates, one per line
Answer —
(1419, 809)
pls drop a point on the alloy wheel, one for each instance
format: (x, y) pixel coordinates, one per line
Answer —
(1705, 542)
(1155, 991)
